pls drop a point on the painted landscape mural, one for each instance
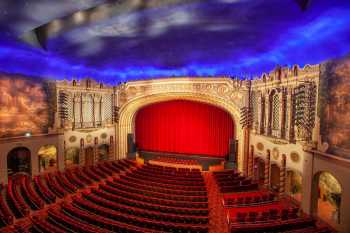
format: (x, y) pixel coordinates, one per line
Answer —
(335, 105)
(24, 106)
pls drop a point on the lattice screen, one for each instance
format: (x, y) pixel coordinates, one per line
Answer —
(254, 109)
(88, 114)
(286, 115)
(275, 111)
(107, 108)
(77, 110)
(70, 108)
(98, 110)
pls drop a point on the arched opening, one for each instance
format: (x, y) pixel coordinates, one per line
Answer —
(89, 156)
(71, 156)
(184, 127)
(327, 194)
(128, 112)
(47, 156)
(294, 184)
(18, 160)
(103, 152)
(259, 170)
(275, 113)
(275, 177)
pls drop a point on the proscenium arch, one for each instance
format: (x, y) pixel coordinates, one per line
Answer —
(128, 113)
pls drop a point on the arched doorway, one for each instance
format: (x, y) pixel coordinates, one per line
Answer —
(294, 184)
(47, 156)
(18, 160)
(89, 156)
(103, 152)
(259, 170)
(327, 194)
(275, 177)
(71, 156)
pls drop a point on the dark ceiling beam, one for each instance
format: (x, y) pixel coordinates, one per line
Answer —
(41, 34)
(303, 4)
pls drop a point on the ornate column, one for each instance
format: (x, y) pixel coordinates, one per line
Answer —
(82, 153)
(268, 120)
(61, 153)
(280, 115)
(282, 185)
(246, 149)
(96, 157)
(267, 170)
(259, 114)
(111, 148)
(284, 113)
(251, 162)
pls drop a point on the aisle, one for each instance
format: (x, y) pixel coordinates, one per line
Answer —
(217, 215)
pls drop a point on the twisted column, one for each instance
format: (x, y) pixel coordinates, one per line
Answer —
(82, 152)
(96, 157)
(251, 162)
(282, 186)
(111, 148)
(267, 170)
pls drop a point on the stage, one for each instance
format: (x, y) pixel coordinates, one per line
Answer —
(204, 161)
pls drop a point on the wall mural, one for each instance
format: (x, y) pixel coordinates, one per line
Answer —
(24, 105)
(335, 105)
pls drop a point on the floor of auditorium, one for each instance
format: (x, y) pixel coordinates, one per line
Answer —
(123, 196)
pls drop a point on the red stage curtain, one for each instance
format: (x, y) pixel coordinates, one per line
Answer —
(185, 127)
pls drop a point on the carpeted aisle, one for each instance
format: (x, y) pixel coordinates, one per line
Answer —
(217, 214)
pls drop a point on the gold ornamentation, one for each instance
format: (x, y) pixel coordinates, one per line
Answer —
(260, 146)
(72, 139)
(294, 156)
(89, 138)
(275, 153)
(104, 135)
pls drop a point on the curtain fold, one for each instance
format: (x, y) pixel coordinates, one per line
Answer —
(184, 127)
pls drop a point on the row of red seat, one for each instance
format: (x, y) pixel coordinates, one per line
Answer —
(160, 189)
(16, 201)
(137, 220)
(155, 210)
(239, 188)
(6, 217)
(146, 177)
(259, 211)
(232, 181)
(248, 200)
(266, 215)
(169, 176)
(161, 195)
(150, 206)
(273, 226)
(33, 199)
(47, 195)
(173, 171)
(27, 193)
(159, 183)
(151, 199)
(152, 213)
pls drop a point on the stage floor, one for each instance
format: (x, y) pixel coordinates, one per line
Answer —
(204, 161)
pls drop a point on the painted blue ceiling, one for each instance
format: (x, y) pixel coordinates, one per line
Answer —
(196, 38)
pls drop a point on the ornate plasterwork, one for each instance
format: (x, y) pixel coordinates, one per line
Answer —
(224, 93)
(223, 88)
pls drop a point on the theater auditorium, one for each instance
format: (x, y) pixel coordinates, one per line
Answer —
(179, 116)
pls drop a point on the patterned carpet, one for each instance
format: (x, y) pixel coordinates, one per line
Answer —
(217, 214)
